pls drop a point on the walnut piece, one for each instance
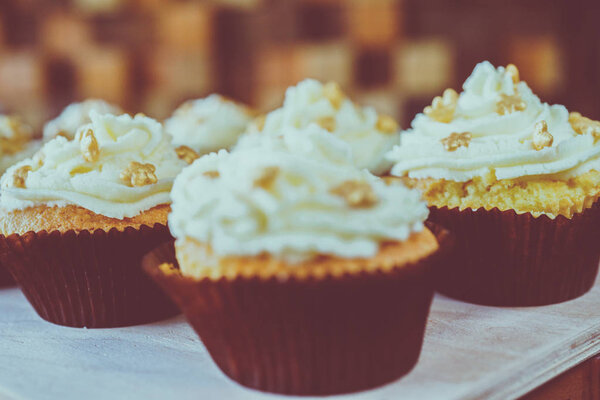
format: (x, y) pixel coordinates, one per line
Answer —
(356, 194)
(267, 178)
(386, 124)
(211, 174)
(20, 176)
(541, 137)
(138, 174)
(442, 108)
(88, 145)
(456, 140)
(327, 123)
(583, 125)
(186, 154)
(513, 71)
(334, 94)
(509, 104)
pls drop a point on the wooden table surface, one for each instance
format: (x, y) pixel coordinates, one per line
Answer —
(470, 352)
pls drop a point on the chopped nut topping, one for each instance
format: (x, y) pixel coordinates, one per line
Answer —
(456, 140)
(259, 122)
(267, 178)
(442, 108)
(509, 104)
(186, 154)
(327, 123)
(583, 125)
(356, 194)
(89, 146)
(334, 94)
(211, 174)
(138, 174)
(511, 69)
(541, 137)
(386, 124)
(20, 176)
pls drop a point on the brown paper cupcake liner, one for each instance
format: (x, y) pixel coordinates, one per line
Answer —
(307, 337)
(88, 279)
(502, 258)
(6, 278)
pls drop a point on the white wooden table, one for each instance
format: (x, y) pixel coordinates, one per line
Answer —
(469, 352)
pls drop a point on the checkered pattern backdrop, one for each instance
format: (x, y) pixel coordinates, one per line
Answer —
(149, 55)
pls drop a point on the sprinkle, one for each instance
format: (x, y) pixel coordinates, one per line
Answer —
(334, 94)
(583, 125)
(327, 123)
(509, 104)
(186, 154)
(356, 194)
(513, 71)
(386, 124)
(138, 174)
(442, 108)
(456, 140)
(541, 137)
(20, 176)
(267, 178)
(211, 174)
(88, 145)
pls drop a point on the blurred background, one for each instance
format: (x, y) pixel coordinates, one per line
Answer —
(150, 55)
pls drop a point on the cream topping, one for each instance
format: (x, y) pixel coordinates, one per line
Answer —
(76, 115)
(500, 124)
(288, 199)
(369, 135)
(95, 170)
(209, 124)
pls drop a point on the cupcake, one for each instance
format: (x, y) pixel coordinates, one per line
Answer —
(207, 125)
(75, 115)
(517, 181)
(369, 135)
(301, 275)
(76, 218)
(16, 143)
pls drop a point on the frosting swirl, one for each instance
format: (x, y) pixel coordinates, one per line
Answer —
(498, 118)
(76, 115)
(369, 135)
(209, 124)
(291, 201)
(116, 166)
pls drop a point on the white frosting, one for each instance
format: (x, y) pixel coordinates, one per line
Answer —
(209, 124)
(500, 143)
(306, 103)
(297, 216)
(65, 177)
(76, 115)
